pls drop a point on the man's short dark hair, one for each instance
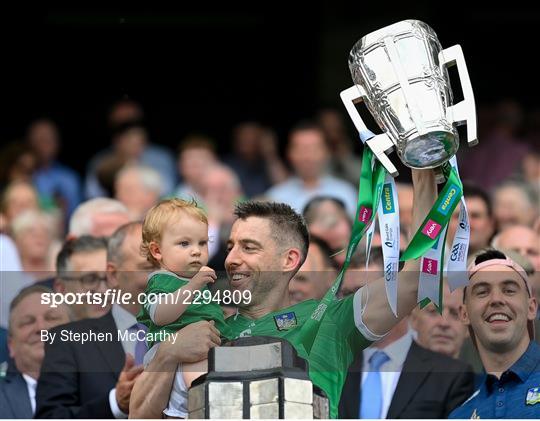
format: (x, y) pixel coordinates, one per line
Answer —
(82, 244)
(308, 125)
(472, 190)
(484, 256)
(288, 227)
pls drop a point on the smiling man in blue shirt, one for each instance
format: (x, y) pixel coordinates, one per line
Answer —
(499, 309)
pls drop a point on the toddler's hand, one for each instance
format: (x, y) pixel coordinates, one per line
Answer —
(205, 275)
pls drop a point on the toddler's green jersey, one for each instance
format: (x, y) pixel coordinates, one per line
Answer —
(164, 282)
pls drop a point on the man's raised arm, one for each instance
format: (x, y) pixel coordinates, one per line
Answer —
(377, 315)
(151, 392)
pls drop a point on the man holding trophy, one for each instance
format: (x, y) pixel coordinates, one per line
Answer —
(399, 71)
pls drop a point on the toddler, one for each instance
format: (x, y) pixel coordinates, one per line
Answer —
(175, 239)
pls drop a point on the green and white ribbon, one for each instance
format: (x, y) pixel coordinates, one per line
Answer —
(369, 193)
(431, 230)
(372, 181)
(456, 268)
(388, 214)
(431, 272)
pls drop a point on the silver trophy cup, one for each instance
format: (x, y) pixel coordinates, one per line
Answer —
(256, 378)
(400, 72)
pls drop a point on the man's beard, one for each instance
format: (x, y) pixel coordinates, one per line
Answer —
(260, 287)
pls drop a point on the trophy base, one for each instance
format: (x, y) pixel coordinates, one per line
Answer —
(430, 150)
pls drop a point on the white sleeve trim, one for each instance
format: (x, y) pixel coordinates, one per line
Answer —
(359, 305)
(152, 311)
(151, 308)
(115, 409)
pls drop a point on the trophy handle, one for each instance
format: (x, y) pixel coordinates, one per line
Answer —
(380, 143)
(464, 111)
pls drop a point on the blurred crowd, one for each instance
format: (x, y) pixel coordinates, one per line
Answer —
(56, 224)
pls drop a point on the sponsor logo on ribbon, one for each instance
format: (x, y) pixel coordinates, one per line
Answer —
(446, 204)
(388, 240)
(429, 266)
(388, 200)
(431, 229)
(365, 214)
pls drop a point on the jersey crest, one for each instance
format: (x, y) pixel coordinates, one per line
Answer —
(533, 396)
(286, 321)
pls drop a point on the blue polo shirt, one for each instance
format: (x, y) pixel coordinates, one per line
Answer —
(515, 395)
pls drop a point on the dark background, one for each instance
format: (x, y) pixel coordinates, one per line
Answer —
(206, 67)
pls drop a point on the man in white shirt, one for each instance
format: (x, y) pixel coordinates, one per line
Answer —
(28, 317)
(308, 153)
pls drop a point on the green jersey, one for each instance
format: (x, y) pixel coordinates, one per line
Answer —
(164, 282)
(337, 343)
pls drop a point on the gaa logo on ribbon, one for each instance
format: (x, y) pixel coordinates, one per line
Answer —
(431, 229)
(458, 252)
(450, 198)
(388, 272)
(364, 215)
(388, 200)
(429, 266)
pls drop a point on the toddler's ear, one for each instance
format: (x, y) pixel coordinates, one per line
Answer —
(155, 251)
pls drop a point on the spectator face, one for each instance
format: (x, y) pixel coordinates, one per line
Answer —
(20, 197)
(332, 225)
(131, 143)
(511, 207)
(43, 138)
(247, 141)
(220, 193)
(130, 190)
(531, 168)
(441, 333)
(522, 240)
(482, 226)
(27, 320)
(498, 308)
(193, 163)
(313, 279)
(105, 224)
(34, 242)
(129, 274)
(308, 166)
(332, 123)
(87, 275)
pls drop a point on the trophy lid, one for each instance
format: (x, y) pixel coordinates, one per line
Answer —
(254, 353)
(398, 29)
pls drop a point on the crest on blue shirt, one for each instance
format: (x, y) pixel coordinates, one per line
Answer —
(285, 321)
(3, 369)
(533, 396)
